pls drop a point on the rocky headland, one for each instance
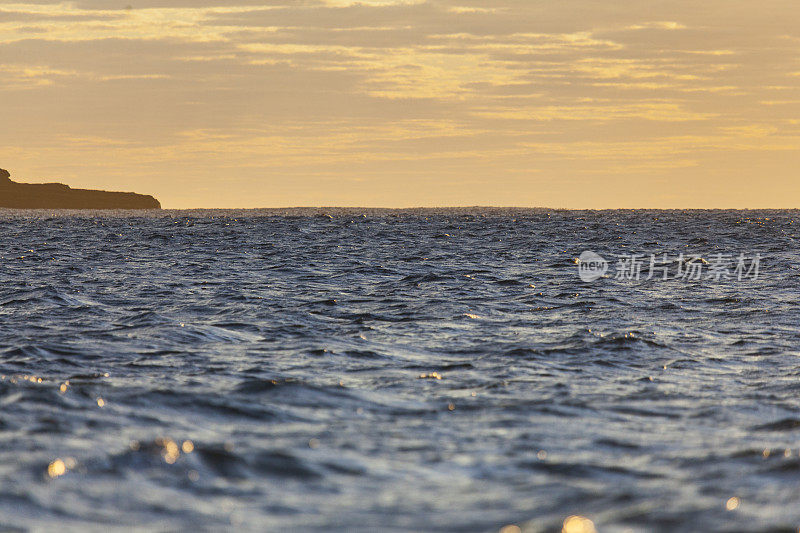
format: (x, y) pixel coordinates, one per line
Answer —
(59, 196)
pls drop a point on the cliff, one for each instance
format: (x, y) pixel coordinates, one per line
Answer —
(59, 196)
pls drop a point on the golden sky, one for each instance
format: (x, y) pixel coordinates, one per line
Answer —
(259, 103)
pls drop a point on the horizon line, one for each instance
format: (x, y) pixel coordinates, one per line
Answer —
(487, 207)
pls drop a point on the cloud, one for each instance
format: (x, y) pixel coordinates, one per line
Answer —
(311, 91)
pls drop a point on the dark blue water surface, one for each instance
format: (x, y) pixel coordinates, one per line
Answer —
(364, 370)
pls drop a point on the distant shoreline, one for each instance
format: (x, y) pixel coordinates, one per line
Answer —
(16, 195)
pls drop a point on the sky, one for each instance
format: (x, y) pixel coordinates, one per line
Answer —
(386, 103)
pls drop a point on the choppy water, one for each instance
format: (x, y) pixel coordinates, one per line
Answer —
(300, 355)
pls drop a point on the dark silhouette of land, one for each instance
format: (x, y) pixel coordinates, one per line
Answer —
(59, 196)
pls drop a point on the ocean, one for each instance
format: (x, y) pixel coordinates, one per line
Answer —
(416, 370)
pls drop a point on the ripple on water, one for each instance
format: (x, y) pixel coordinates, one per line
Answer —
(363, 370)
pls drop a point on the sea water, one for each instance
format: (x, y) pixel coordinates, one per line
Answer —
(417, 370)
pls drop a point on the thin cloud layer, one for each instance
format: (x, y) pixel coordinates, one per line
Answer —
(240, 103)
